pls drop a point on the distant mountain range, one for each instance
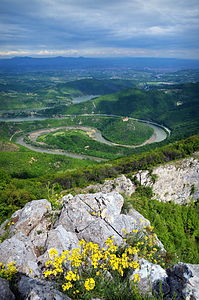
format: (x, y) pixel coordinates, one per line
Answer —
(27, 64)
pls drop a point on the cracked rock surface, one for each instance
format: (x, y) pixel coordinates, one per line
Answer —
(93, 217)
(177, 181)
(36, 228)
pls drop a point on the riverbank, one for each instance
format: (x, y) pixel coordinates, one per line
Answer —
(159, 135)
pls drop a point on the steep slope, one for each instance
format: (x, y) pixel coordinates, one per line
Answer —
(96, 87)
(176, 107)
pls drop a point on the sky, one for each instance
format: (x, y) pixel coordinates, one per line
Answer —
(99, 28)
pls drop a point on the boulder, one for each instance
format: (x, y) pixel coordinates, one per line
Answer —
(90, 216)
(95, 217)
(30, 216)
(149, 274)
(5, 291)
(121, 184)
(35, 289)
(19, 249)
(61, 239)
(182, 282)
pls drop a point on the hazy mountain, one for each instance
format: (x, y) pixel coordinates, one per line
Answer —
(22, 64)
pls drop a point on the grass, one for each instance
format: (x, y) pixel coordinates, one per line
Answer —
(175, 225)
(79, 142)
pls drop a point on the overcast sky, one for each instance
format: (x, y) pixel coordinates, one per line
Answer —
(96, 28)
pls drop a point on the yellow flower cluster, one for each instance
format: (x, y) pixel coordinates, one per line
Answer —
(145, 244)
(8, 271)
(89, 284)
(85, 260)
(80, 270)
(136, 277)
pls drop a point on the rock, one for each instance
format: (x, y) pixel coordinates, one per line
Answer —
(19, 249)
(27, 218)
(95, 217)
(92, 217)
(120, 184)
(191, 290)
(61, 239)
(182, 282)
(35, 289)
(5, 291)
(176, 181)
(138, 218)
(149, 274)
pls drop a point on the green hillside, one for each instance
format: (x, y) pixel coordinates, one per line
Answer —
(127, 132)
(36, 92)
(176, 107)
(95, 86)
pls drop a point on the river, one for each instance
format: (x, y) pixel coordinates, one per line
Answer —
(160, 134)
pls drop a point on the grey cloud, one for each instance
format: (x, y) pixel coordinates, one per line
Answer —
(71, 24)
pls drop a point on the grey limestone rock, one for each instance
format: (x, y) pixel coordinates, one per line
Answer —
(19, 249)
(5, 291)
(120, 184)
(139, 220)
(176, 181)
(35, 289)
(90, 216)
(149, 274)
(61, 239)
(182, 282)
(93, 217)
(30, 216)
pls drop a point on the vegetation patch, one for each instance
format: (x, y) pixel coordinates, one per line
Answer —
(177, 226)
(79, 142)
(103, 272)
(128, 132)
(8, 147)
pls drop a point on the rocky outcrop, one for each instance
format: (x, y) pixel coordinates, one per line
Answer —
(179, 282)
(149, 274)
(182, 282)
(92, 217)
(5, 291)
(177, 181)
(36, 228)
(120, 184)
(33, 289)
(30, 218)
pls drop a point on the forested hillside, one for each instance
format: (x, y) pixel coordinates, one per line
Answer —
(176, 107)
(97, 87)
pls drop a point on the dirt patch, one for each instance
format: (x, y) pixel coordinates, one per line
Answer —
(8, 147)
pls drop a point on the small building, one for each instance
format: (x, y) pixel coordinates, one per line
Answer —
(125, 119)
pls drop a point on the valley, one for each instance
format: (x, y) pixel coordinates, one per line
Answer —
(99, 150)
(45, 138)
(73, 132)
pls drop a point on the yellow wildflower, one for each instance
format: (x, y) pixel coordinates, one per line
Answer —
(136, 277)
(89, 284)
(52, 253)
(67, 286)
(72, 276)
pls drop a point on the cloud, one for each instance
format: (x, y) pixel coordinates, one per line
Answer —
(74, 26)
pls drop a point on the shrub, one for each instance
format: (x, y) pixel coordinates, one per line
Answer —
(93, 271)
(8, 271)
